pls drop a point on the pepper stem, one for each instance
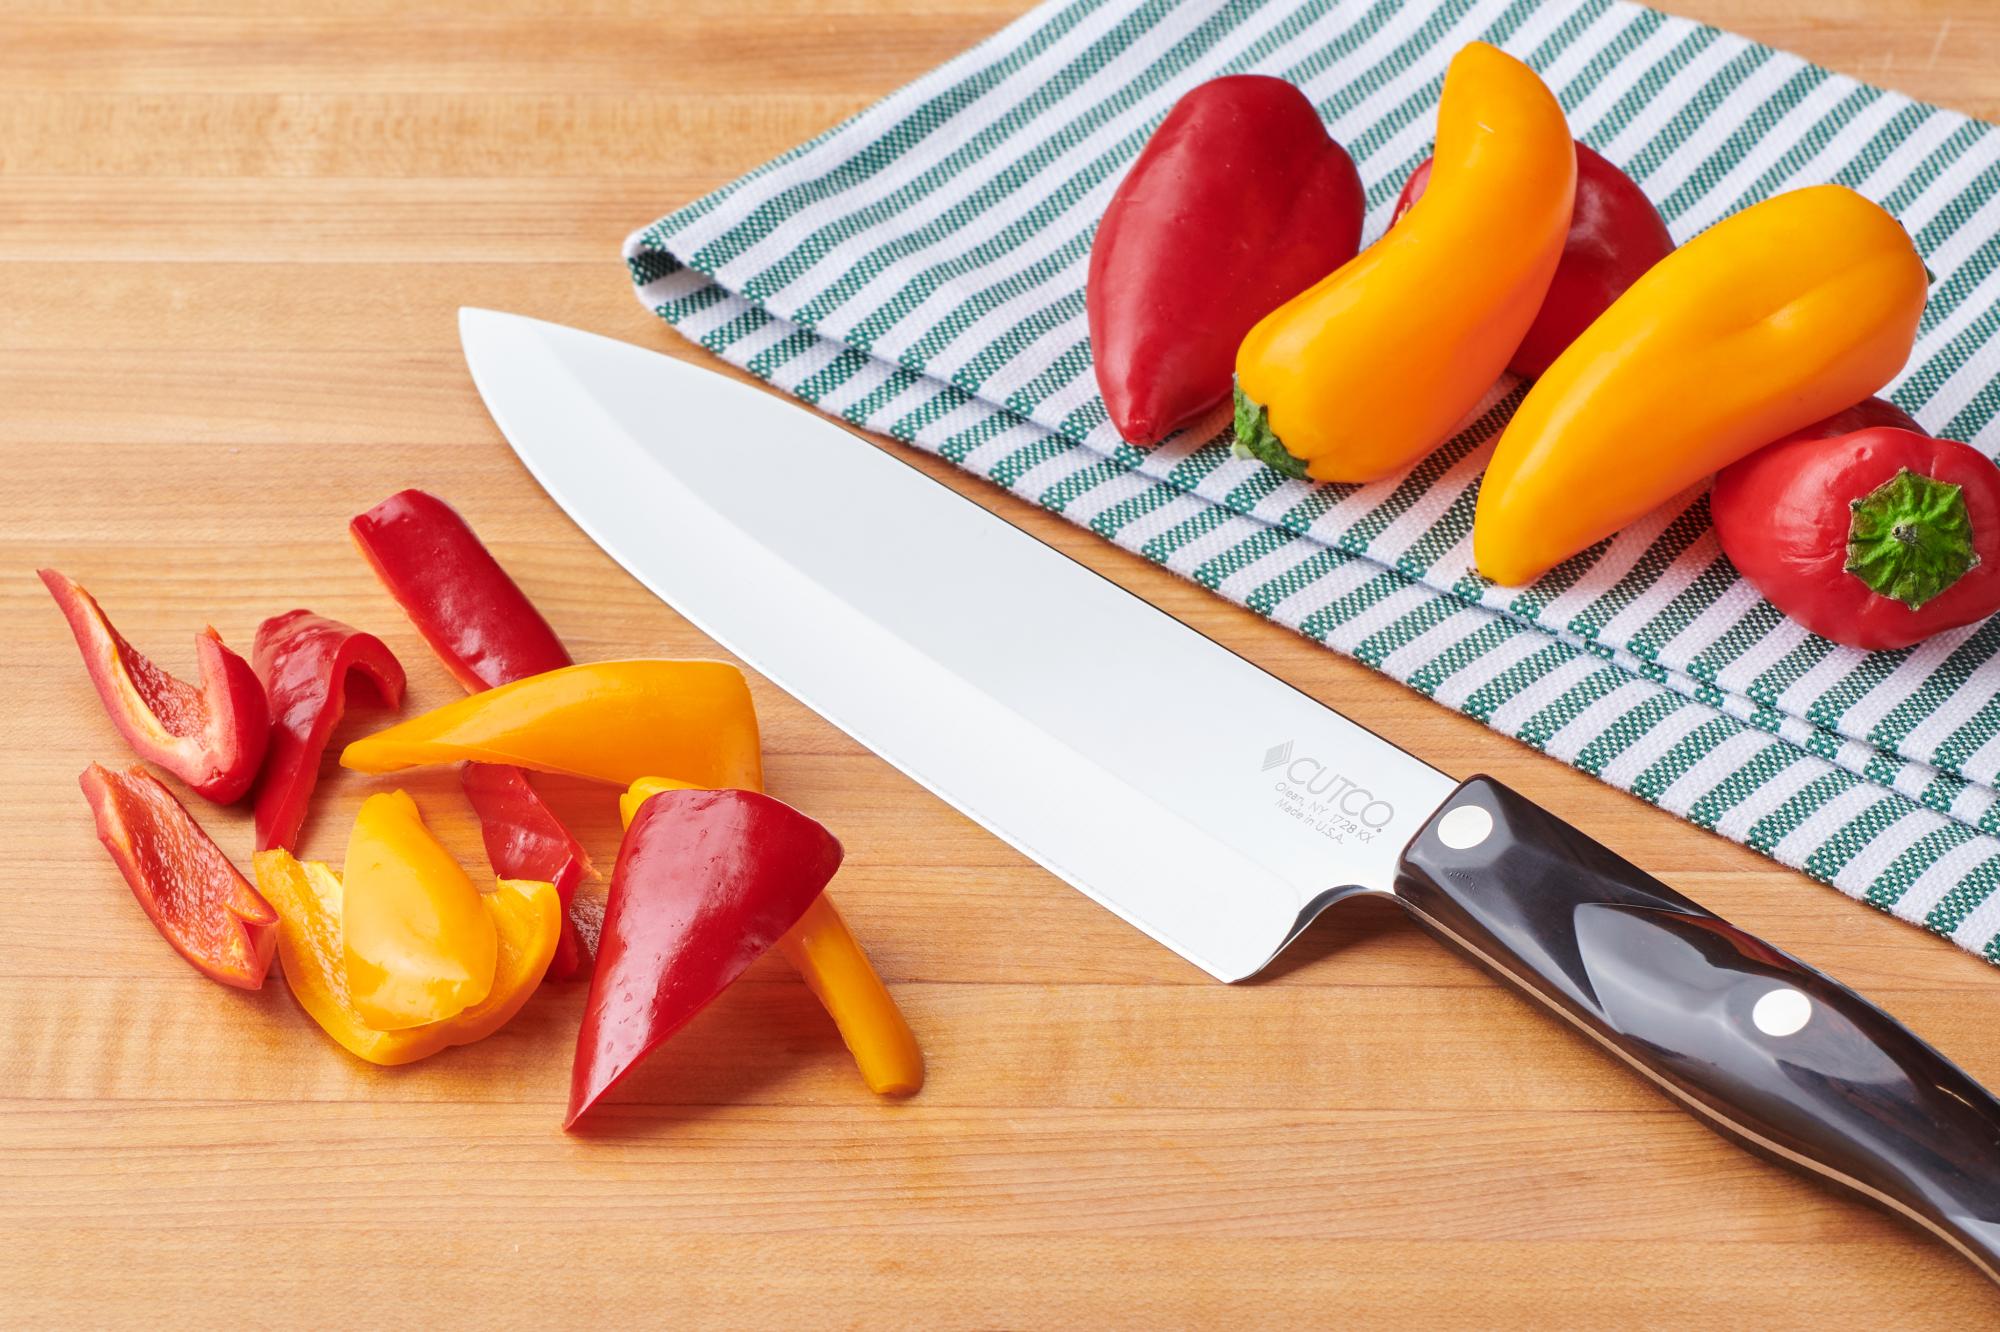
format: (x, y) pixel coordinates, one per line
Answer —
(1254, 439)
(1910, 538)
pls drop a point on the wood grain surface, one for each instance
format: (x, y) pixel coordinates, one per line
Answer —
(233, 235)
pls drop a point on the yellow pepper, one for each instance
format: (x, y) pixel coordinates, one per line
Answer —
(526, 918)
(417, 945)
(610, 721)
(1362, 374)
(823, 951)
(1771, 319)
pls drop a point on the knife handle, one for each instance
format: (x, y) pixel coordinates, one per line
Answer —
(1770, 1053)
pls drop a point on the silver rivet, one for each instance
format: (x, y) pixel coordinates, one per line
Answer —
(1781, 1012)
(1465, 827)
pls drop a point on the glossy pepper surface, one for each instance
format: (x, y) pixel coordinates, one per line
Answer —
(826, 954)
(418, 946)
(524, 839)
(1239, 202)
(308, 896)
(1615, 234)
(1371, 368)
(610, 721)
(187, 887)
(211, 735)
(304, 660)
(706, 882)
(1876, 539)
(1771, 319)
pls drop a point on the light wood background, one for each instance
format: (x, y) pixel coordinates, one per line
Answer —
(233, 234)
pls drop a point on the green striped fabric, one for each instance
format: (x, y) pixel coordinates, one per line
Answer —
(919, 271)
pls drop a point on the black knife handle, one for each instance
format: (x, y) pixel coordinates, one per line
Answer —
(1767, 1051)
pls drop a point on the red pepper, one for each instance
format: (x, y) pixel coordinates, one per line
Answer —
(524, 835)
(1876, 539)
(487, 633)
(195, 897)
(303, 660)
(706, 882)
(1863, 415)
(1239, 202)
(212, 737)
(1615, 235)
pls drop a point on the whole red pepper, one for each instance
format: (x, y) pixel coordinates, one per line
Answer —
(211, 736)
(706, 882)
(1239, 202)
(303, 660)
(487, 633)
(194, 896)
(1615, 235)
(1876, 539)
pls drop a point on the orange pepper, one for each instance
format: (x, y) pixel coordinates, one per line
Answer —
(610, 721)
(1768, 321)
(1362, 374)
(823, 951)
(525, 917)
(417, 946)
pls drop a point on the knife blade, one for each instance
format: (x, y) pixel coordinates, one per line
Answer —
(1207, 802)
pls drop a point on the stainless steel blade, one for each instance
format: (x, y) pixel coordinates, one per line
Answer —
(1204, 800)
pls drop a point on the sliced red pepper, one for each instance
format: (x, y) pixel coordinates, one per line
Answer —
(525, 840)
(195, 897)
(706, 882)
(487, 633)
(212, 736)
(303, 660)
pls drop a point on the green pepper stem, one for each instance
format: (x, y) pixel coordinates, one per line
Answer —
(1255, 439)
(1910, 538)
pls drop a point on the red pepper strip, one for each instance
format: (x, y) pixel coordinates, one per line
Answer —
(487, 633)
(195, 897)
(303, 660)
(706, 882)
(525, 840)
(211, 737)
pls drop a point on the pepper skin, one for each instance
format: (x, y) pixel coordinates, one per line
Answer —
(418, 946)
(1863, 415)
(1239, 202)
(1876, 539)
(524, 839)
(188, 888)
(1615, 234)
(825, 952)
(303, 660)
(211, 737)
(706, 882)
(1365, 372)
(608, 721)
(1771, 319)
(526, 916)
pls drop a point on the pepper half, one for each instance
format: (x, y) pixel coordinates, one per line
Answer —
(526, 919)
(303, 660)
(211, 736)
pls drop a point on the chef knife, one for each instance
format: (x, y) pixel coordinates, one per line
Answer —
(1205, 801)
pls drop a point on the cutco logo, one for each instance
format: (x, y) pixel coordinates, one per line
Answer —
(1307, 777)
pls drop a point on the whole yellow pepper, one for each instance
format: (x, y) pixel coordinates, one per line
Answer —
(1771, 319)
(610, 721)
(417, 945)
(308, 897)
(1373, 367)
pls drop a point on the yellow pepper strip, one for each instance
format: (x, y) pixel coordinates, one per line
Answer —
(822, 950)
(1365, 372)
(418, 946)
(526, 917)
(609, 721)
(1771, 319)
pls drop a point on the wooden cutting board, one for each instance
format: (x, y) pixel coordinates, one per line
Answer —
(233, 234)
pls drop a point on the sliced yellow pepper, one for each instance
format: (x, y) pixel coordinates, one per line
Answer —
(609, 721)
(823, 951)
(526, 918)
(417, 945)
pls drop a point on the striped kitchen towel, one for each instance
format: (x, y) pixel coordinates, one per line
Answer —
(919, 271)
